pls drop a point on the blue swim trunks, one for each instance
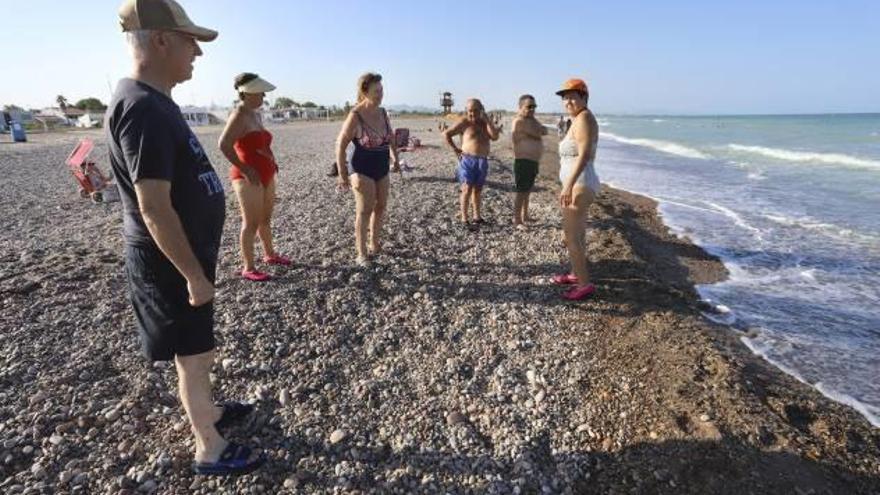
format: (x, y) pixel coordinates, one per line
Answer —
(473, 170)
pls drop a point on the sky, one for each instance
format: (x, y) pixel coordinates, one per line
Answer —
(669, 57)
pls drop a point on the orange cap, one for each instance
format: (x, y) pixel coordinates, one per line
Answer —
(574, 85)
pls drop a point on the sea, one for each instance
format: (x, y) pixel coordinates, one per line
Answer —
(791, 204)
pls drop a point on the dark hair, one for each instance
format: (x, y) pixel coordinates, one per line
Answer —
(243, 78)
(364, 83)
(524, 98)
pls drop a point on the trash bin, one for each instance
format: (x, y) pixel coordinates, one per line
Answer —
(17, 132)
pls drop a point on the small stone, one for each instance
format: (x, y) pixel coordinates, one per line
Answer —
(338, 436)
(65, 477)
(164, 460)
(531, 376)
(56, 439)
(113, 415)
(227, 363)
(291, 483)
(704, 418)
(455, 418)
(607, 444)
(38, 471)
(80, 479)
(27, 450)
(284, 397)
(148, 486)
(125, 482)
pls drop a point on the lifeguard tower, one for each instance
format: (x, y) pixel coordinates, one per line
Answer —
(446, 102)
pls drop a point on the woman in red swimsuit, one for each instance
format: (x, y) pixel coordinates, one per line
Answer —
(247, 145)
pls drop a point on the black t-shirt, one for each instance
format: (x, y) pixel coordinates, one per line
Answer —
(149, 139)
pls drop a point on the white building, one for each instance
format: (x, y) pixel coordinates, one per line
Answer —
(196, 116)
(90, 120)
(295, 113)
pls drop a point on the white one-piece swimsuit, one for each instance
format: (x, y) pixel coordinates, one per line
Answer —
(568, 157)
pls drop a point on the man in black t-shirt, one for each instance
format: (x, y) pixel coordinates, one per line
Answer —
(174, 208)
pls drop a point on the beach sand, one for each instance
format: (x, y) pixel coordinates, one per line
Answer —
(450, 366)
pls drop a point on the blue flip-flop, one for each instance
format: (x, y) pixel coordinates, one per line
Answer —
(233, 412)
(235, 459)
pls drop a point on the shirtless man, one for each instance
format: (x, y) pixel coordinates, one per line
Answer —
(477, 130)
(527, 150)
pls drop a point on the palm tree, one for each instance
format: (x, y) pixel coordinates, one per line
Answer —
(62, 102)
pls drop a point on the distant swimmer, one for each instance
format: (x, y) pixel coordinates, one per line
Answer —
(580, 185)
(528, 146)
(477, 131)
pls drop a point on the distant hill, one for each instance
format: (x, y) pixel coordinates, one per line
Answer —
(412, 109)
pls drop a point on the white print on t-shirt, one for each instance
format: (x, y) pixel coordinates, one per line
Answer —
(211, 182)
(196, 147)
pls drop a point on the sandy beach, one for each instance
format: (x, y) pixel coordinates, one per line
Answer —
(449, 366)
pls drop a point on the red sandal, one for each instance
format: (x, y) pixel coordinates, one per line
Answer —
(565, 279)
(579, 293)
(277, 259)
(255, 276)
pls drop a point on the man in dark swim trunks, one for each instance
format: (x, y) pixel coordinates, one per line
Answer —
(477, 131)
(527, 150)
(173, 213)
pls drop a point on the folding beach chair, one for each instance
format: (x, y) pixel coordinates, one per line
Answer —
(405, 142)
(92, 183)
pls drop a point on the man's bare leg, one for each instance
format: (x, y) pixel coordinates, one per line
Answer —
(478, 202)
(194, 386)
(518, 208)
(464, 200)
(525, 208)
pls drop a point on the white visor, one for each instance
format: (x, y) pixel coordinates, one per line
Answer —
(257, 85)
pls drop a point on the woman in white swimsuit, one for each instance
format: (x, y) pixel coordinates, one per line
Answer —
(580, 186)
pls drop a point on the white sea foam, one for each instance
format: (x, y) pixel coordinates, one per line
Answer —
(807, 157)
(761, 346)
(757, 175)
(828, 229)
(870, 412)
(736, 217)
(664, 146)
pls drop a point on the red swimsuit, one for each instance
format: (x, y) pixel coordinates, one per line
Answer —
(253, 149)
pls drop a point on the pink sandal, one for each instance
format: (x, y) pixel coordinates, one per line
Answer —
(277, 259)
(255, 276)
(565, 279)
(579, 293)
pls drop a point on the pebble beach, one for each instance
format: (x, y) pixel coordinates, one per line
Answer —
(450, 365)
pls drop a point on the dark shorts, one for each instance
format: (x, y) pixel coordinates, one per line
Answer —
(167, 324)
(524, 173)
(473, 170)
